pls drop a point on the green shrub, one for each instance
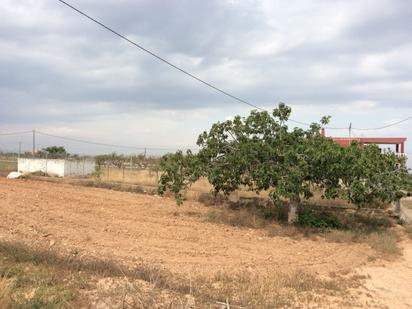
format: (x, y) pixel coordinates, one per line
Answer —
(318, 219)
(277, 212)
(364, 222)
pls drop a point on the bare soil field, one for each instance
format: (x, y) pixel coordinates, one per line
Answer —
(130, 226)
(391, 283)
(132, 229)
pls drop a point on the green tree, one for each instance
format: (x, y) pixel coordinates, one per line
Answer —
(368, 175)
(55, 151)
(259, 152)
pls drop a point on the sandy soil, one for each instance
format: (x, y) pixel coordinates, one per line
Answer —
(391, 283)
(130, 228)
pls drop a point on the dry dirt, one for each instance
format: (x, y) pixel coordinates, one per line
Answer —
(129, 228)
(391, 283)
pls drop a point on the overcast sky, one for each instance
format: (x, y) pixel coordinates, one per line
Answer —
(62, 74)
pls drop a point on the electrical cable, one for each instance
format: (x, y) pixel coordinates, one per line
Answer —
(102, 144)
(203, 81)
(177, 67)
(16, 133)
(385, 126)
(159, 57)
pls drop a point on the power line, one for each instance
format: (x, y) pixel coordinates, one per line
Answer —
(201, 80)
(308, 124)
(358, 129)
(15, 133)
(101, 144)
(177, 67)
(159, 57)
(160, 148)
(385, 126)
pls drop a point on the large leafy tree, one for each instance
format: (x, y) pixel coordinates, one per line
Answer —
(260, 152)
(367, 175)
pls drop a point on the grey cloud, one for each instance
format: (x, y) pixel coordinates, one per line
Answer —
(57, 66)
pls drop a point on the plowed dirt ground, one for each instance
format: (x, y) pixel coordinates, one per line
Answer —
(129, 228)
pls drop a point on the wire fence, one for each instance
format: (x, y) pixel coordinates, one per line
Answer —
(7, 165)
(129, 169)
(129, 175)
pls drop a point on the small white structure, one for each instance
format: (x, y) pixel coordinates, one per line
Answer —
(57, 167)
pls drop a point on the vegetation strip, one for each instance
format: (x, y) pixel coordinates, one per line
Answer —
(46, 274)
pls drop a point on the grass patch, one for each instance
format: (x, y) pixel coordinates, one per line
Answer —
(145, 177)
(36, 278)
(209, 199)
(279, 290)
(116, 186)
(407, 203)
(252, 213)
(408, 230)
(343, 226)
(372, 228)
(365, 221)
(237, 218)
(155, 275)
(87, 182)
(8, 165)
(5, 293)
(384, 242)
(21, 253)
(25, 285)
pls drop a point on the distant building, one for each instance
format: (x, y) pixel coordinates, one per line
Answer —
(399, 142)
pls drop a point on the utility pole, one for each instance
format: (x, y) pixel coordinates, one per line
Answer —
(19, 150)
(34, 142)
(350, 130)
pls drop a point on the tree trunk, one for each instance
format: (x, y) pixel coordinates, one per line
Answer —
(293, 209)
(398, 208)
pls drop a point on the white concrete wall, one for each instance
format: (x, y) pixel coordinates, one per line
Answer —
(56, 167)
(79, 167)
(53, 167)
